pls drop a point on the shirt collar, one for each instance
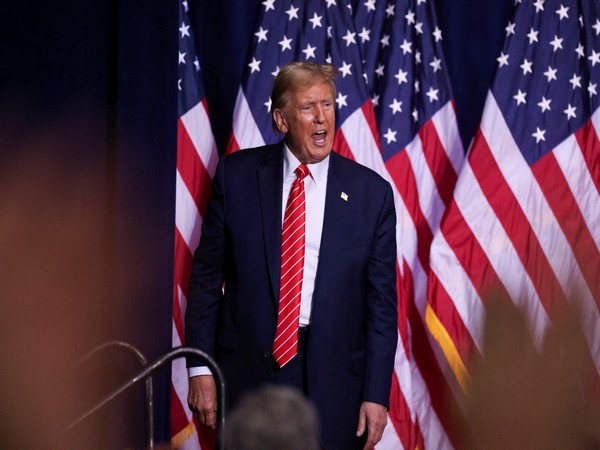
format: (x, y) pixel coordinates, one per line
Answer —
(318, 171)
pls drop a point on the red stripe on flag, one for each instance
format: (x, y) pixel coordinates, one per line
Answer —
(179, 420)
(437, 159)
(470, 254)
(340, 144)
(182, 269)
(515, 223)
(369, 113)
(556, 189)
(191, 169)
(399, 414)
(183, 262)
(178, 417)
(400, 170)
(178, 318)
(590, 148)
(446, 312)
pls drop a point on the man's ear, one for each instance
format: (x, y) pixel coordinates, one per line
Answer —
(279, 117)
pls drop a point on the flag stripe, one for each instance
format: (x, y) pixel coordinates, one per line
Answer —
(458, 276)
(429, 163)
(187, 217)
(563, 204)
(446, 129)
(192, 170)
(587, 136)
(400, 417)
(368, 111)
(180, 385)
(183, 264)
(357, 130)
(437, 159)
(472, 257)
(340, 144)
(446, 313)
(557, 253)
(581, 184)
(405, 182)
(245, 132)
(513, 219)
(196, 123)
(485, 251)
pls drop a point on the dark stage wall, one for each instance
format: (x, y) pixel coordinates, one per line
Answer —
(93, 85)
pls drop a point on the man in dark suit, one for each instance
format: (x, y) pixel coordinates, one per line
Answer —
(343, 326)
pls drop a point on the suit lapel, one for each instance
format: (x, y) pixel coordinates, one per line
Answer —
(270, 180)
(331, 238)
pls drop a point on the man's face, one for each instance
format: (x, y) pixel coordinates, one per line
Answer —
(308, 121)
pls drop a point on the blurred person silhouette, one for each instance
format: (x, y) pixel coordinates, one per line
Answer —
(273, 418)
(55, 281)
(522, 397)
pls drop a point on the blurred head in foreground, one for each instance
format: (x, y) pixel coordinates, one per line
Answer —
(273, 418)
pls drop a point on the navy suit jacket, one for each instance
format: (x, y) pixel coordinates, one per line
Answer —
(234, 286)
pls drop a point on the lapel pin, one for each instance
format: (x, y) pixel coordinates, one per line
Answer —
(344, 196)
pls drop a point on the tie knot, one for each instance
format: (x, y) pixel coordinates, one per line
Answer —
(301, 171)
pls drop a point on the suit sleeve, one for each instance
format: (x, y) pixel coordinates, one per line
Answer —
(207, 274)
(382, 315)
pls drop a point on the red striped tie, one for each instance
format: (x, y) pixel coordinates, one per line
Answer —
(292, 267)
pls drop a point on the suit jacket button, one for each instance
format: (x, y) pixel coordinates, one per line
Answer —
(267, 355)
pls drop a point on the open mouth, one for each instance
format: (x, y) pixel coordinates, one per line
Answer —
(319, 137)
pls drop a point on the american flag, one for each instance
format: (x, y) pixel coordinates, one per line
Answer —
(525, 216)
(197, 158)
(422, 152)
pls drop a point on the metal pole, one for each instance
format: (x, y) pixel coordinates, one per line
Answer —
(160, 362)
(149, 389)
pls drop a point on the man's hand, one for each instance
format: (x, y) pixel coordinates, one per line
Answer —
(372, 417)
(202, 399)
